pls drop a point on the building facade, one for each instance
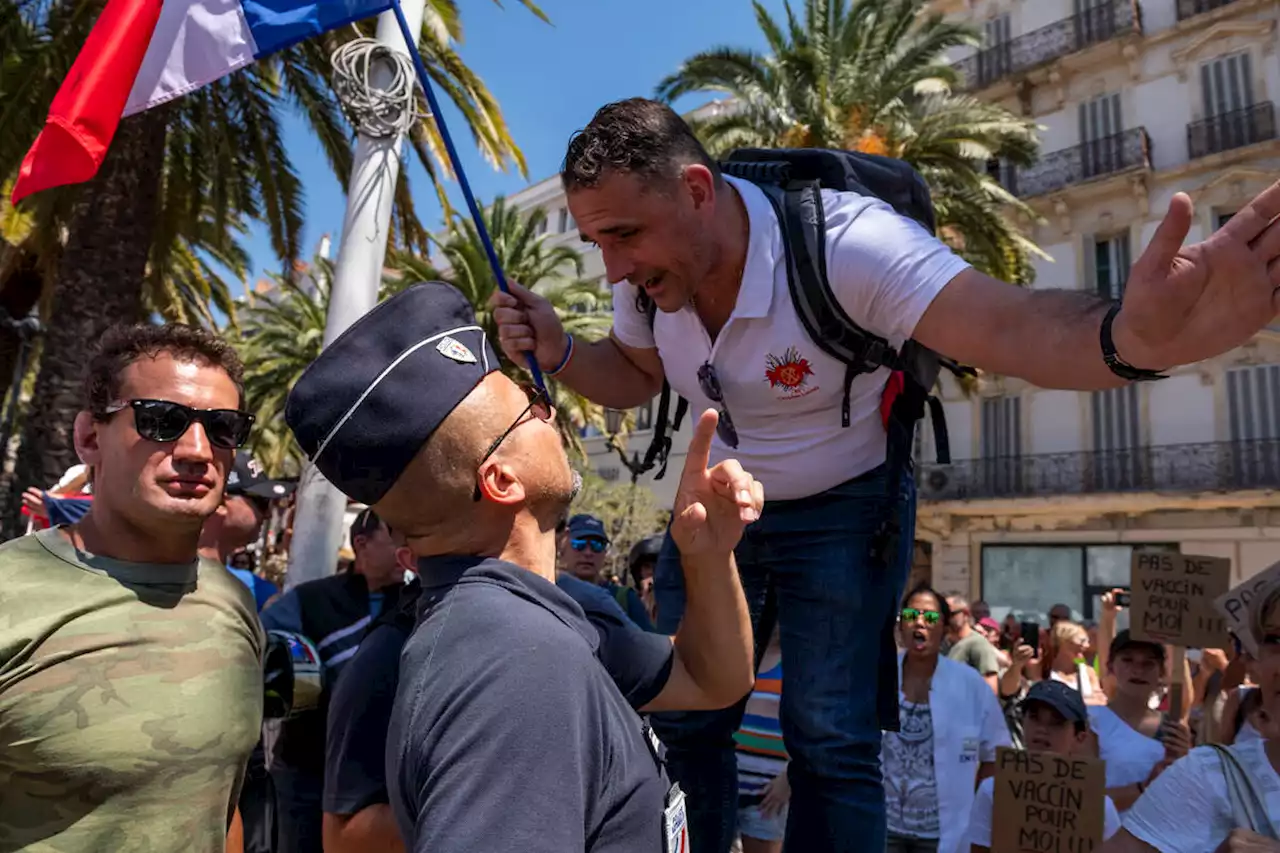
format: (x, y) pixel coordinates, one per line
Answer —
(1050, 491)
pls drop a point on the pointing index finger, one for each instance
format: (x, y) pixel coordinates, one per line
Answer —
(699, 453)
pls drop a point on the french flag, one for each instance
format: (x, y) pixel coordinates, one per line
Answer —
(142, 53)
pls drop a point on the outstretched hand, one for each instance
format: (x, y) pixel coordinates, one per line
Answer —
(1183, 305)
(714, 505)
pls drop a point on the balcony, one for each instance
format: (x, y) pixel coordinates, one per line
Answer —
(1191, 8)
(1039, 47)
(1217, 467)
(1112, 155)
(1236, 129)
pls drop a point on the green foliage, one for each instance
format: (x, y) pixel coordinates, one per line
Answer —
(282, 332)
(872, 76)
(630, 513)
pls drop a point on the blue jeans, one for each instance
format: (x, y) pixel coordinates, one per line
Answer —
(807, 565)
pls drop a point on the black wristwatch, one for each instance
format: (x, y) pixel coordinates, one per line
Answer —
(1114, 362)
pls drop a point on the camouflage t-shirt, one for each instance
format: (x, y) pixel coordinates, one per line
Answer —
(130, 699)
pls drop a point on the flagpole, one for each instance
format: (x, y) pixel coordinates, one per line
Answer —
(425, 81)
(318, 521)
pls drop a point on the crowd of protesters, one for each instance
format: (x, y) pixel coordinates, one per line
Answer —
(472, 680)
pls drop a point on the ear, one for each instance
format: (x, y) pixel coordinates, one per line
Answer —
(405, 559)
(700, 183)
(86, 439)
(499, 483)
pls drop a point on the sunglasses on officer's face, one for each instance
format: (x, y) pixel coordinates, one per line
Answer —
(597, 546)
(911, 614)
(165, 422)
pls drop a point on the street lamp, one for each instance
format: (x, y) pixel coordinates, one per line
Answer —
(613, 423)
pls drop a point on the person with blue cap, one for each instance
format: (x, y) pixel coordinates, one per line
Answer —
(514, 725)
(584, 549)
(1054, 720)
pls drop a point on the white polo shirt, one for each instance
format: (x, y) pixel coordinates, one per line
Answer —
(782, 392)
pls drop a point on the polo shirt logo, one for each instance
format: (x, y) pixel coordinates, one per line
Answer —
(450, 348)
(790, 373)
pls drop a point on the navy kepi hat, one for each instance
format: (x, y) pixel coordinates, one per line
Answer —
(364, 408)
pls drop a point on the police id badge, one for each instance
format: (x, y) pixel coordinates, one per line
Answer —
(675, 823)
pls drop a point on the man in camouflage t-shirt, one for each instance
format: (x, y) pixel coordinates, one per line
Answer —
(130, 675)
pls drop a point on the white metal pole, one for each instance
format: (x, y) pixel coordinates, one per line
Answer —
(317, 529)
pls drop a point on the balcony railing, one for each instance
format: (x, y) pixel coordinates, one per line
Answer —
(1191, 8)
(1236, 129)
(1092, 26)
(1122, 152)
(1222, 466)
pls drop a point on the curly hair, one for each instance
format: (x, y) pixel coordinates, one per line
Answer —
(121, 346)
(636, 136)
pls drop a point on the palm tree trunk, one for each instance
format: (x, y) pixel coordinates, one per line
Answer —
(98, 284)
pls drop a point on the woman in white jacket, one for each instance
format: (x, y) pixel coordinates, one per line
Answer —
(933, 764)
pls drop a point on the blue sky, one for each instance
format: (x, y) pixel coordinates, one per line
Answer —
(549, 79)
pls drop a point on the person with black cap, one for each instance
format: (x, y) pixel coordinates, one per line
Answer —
(1136, 741)
(507, 732)
(237, 523)
(333, 613)
(1054, 719)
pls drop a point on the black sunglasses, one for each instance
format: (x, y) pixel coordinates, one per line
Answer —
(710, 385)
(166, 422)
(539, 406)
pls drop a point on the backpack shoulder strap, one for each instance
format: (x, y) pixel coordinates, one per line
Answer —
(663, 426)
(1247, 807)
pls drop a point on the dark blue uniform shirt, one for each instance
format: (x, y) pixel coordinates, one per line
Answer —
(513, 726)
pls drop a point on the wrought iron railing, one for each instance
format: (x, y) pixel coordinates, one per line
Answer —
(1094, 25)
(1236, 129)
(1122, 152)
(1191, 8)
(1218, 467)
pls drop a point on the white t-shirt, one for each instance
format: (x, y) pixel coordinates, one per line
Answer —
(1130, 755)
(782, 392)
(1186, 809)
(984, 804)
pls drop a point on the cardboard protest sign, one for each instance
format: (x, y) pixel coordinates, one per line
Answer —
(1234, 606)
(1173, 597)
(1047, 803)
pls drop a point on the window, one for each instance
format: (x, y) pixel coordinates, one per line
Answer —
(1220, 218)
(1027, 580)
(644, 416)
(1226, 85)
(1001, 424)
(1101, 139)
(995, 60)
(1119, 461)
(1253, 407)
(542, 226)
(566, 221)
(1095, 21)
(1108, 265)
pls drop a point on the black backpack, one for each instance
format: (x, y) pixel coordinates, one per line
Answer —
(792, 179)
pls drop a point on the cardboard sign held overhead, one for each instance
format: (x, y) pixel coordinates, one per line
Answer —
(1047, 803)
(1173, 599)
(1234, 606)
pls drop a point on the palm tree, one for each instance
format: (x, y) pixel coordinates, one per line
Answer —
(178, 182)
(282, 333)
(528, 256)
(870, 75)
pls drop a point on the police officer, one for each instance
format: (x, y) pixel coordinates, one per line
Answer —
(507, 732)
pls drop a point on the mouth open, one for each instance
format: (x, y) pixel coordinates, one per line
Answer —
(919, 640)
(654, 283)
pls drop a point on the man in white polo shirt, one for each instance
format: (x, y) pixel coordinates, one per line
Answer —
(708, 251)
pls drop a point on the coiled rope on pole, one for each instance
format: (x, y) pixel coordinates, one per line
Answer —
(376, 111)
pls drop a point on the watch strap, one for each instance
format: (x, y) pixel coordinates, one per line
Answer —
(1114, 362)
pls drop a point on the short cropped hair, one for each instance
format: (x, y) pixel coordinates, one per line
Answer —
(121, 346)
(636, 136)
